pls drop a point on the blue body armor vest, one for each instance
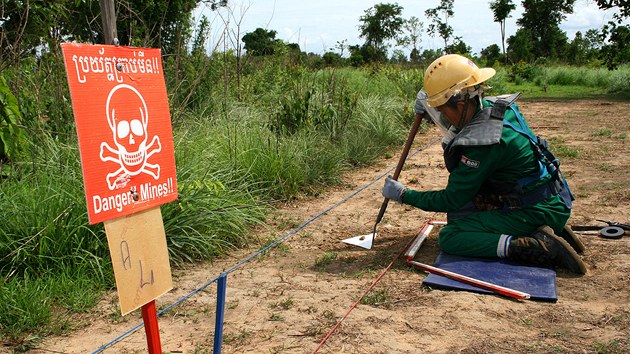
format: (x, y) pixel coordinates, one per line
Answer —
(505, 195)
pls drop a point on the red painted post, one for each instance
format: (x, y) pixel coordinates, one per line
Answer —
(149, 316)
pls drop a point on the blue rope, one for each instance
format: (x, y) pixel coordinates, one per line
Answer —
(256, 254)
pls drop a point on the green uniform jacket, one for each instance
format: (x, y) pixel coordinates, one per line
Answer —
(509, 160)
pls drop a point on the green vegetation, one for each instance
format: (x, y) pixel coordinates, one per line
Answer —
(561, 150)
(11, 136)
(376, 298)
(325, 259)
(237, 339)
(610, 347)
(283, 304)
(565, 82)
(607, 133)
(29, 304)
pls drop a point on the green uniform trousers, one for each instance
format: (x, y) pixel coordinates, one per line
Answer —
(477, 235)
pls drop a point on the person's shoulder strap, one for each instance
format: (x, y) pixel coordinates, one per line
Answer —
(501, 104)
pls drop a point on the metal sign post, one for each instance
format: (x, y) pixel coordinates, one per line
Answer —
(149, 316)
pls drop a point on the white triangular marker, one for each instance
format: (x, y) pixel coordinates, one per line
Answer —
(364, 241)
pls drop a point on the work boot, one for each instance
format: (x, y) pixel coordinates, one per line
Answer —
(572, 239)
(544, 248)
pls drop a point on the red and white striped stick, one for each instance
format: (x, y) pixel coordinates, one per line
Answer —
(501, 290)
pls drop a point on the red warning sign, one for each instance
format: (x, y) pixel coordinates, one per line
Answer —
(124, 127)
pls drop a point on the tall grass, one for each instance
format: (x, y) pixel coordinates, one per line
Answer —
(379, 127)
(619, 81)
(499, 82)
(52, 263)
(216, 203)
(567, 81)
(45, 219)
(44, 304)
(581, 76)
(287, 166)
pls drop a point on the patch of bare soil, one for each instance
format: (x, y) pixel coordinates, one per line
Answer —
(288, 300)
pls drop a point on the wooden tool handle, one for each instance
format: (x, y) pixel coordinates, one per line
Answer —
(401, 162)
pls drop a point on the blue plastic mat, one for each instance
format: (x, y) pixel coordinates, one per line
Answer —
(540, 283)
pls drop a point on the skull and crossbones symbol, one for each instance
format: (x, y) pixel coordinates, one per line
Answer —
(128, 118)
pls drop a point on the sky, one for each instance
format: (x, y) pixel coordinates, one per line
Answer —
(318, 25)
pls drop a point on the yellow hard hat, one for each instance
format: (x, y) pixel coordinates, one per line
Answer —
(449, 74)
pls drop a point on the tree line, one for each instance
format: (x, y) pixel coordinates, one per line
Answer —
(32, 82)
(27, 27)
(539, 36)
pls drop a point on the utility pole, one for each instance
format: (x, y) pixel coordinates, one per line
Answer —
(108, 15)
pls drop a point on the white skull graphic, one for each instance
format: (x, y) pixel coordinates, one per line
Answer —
(128, 119)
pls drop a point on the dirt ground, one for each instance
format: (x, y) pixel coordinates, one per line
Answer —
(289, 299)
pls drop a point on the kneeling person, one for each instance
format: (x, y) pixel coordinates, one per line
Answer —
(505, 195)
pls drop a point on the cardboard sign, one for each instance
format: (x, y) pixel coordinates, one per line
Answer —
(124, 127)
(137, 245)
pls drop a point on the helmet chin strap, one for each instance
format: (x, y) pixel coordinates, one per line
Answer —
(462, 118)
(476, 93)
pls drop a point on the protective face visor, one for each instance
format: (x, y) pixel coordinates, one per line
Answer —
(436, 117)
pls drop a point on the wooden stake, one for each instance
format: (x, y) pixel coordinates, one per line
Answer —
(108, 17)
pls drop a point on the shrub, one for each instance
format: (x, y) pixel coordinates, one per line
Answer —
(11, 135)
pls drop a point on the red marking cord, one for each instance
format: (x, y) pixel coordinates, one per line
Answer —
(365, 293)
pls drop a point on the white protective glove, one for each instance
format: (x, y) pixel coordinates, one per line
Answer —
(393, 189)
(419, 108)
